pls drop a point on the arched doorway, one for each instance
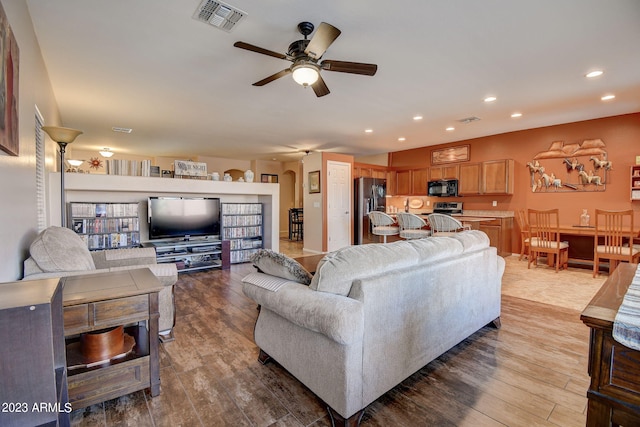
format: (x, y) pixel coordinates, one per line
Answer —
(235, 173)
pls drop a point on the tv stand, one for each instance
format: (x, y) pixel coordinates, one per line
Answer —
(192, 255)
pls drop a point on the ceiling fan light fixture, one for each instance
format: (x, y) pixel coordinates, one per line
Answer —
(305, 74)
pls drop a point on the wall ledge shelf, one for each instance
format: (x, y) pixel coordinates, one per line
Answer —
(119, 188)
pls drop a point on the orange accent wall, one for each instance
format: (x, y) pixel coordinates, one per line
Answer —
(621, 134)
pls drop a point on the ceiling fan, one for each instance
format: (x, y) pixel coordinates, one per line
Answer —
(305, 54)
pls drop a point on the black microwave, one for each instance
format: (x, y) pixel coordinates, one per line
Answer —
(443, 188)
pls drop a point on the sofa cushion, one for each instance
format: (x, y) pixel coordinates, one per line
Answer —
(436, 248)
(280, 265)
(337, 270)
(61, 249)
(472, 239)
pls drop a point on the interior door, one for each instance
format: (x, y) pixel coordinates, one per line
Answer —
(338, 205)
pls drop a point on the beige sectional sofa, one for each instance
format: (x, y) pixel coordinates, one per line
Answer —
(59, 251)
(375, 314)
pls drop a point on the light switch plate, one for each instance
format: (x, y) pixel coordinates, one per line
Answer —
(495, 203)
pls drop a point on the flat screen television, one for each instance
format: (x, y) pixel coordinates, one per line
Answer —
(181, 217)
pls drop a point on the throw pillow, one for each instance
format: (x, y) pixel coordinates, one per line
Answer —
(280, 265)
(61, 249)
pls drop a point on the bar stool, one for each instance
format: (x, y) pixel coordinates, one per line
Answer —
(383, 225)
(296, 224)
(411, 226)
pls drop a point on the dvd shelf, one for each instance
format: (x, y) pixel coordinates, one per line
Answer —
(106, 225)
(242, 226)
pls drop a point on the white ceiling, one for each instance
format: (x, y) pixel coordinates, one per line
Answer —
(186, 91)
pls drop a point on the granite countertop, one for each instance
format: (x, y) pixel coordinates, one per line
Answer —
(472, 214)
(487, 213)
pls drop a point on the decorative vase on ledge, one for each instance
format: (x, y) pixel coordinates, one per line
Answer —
(248, 175)
(584, 218)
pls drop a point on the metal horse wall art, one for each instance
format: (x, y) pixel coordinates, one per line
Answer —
(548, 176)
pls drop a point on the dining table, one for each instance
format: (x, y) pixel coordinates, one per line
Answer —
(580, 239)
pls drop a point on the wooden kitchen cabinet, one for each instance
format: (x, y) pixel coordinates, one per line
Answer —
(497, 177)
(444, 172)
(392, 188)
(470, 179)
(419, 178)
(499, 231)
(403, 183)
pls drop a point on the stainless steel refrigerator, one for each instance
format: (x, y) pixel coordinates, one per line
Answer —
(370, 195)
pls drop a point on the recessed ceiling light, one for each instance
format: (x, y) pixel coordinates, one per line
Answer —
(608, 97)
(450, 128)
(402, 138)
(121, 130)
(516, 115)
(416, 118)
(490, 99)
(594, 73)
(368, 130)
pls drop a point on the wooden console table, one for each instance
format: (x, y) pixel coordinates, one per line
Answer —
(99, 301)
(310, 262)
(614, 393)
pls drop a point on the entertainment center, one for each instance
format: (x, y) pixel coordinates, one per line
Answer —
(190, 255)
(116, 189)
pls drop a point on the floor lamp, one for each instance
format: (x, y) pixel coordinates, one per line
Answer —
(62, 136)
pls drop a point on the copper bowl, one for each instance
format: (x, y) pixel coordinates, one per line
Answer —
(102, 345)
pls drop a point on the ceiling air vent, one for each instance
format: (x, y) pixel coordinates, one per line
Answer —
(218, 14)
(468, 120)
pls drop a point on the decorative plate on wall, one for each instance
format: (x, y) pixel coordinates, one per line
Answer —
(415, 203)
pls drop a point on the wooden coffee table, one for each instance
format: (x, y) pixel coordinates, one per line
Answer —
(310, 262)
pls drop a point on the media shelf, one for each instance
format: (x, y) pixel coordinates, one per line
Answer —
(191, 255)
(242, 225)
(635, 182)
(106, 225)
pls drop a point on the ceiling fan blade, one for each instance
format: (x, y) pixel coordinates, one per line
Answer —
(321, 40)
(320, 87)
(349, 67)
(273, 77)
(252, 48)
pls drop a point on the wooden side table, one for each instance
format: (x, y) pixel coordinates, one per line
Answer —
(99, 301)
(614, 392)
(33, 378)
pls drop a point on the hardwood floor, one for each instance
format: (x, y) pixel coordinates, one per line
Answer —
(531, 372)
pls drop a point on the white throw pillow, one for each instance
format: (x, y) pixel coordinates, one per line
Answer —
(61, 249)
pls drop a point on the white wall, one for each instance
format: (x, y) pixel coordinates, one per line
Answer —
(312, 205)
(18, 216)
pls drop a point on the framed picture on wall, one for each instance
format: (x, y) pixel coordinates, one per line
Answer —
(314, 182)
(9, 142)
(450, 155)
(269, 178)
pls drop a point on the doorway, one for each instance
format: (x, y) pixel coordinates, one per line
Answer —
(338, 205)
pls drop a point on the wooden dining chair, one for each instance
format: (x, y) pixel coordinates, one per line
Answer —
(613, 239)
(544, 237)
(523, 224)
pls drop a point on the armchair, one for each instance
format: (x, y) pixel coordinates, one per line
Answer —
(59, 251)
